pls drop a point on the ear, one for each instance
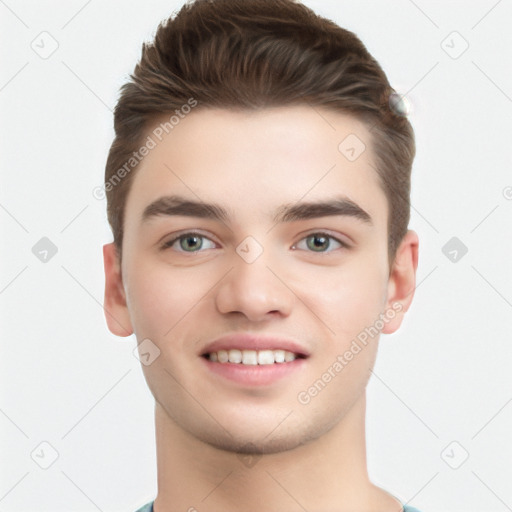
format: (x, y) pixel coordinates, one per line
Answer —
(114, 305)
(402, 281)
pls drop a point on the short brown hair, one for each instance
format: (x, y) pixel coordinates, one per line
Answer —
(252, 54)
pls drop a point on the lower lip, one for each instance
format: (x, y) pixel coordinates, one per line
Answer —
(254, 375)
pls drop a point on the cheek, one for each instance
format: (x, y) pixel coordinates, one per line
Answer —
(347, 299)
(159, 297)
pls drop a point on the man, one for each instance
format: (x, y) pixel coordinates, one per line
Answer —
(258, 192)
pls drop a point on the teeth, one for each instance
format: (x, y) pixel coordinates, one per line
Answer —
(279, 356)
(252, 357)
(249, 357)
(289, 356)
(266, 357)
(235, 356)
(222, 356)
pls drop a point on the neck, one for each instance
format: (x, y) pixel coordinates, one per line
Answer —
(326, 474)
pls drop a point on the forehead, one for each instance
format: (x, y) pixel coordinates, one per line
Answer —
(253, 161)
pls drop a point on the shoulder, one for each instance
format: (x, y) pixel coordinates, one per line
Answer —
(148, 507)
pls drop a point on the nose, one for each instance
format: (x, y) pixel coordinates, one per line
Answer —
(257, 290)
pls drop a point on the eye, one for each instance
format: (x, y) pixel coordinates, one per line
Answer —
(188, 242)
(320, 242)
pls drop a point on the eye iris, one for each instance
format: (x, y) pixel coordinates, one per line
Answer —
(194, 240)
(319, 241)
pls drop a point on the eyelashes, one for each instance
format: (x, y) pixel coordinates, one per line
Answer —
(322, 236)
(318, 237)
(185, 236)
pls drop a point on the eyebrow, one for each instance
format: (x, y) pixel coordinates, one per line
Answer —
(178, 205)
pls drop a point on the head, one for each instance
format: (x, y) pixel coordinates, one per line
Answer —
(254, 106)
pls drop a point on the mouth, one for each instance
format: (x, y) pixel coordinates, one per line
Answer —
(250, 361)
(253, 357)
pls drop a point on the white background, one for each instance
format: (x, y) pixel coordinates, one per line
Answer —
(65, 380)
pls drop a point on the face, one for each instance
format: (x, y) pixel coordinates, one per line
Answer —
(263, 270)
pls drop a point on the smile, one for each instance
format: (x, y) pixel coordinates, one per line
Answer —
(252, 357)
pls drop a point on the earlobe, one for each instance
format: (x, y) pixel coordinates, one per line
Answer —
(114, 305)
(402, 282)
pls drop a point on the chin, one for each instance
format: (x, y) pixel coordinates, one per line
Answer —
(244, 445)
(264, 438)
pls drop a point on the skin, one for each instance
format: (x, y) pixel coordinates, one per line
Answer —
(311, 456)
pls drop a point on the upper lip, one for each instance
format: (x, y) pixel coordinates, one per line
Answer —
(245, 341)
